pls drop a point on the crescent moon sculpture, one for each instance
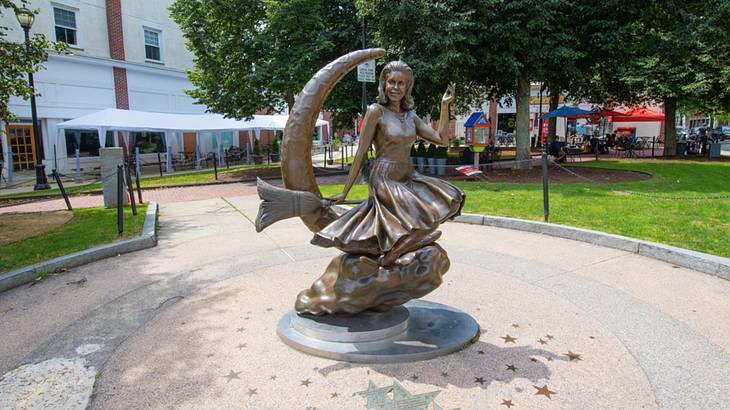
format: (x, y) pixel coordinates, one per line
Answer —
(296, 161)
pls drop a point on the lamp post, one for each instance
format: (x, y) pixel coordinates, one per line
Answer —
(25, 18)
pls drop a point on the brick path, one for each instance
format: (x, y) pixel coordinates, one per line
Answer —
(161, 196)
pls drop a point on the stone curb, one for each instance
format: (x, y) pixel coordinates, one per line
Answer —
(702, 262)
(147, 239)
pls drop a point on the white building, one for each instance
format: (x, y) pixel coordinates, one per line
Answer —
(124, 54)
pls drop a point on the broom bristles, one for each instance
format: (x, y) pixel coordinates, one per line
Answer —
(281, 203)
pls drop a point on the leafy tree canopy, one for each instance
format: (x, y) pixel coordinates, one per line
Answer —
(17, 60)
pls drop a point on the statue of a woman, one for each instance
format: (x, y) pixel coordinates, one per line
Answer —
(404, 208)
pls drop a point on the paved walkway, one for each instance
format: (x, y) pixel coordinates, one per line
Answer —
(191, 324)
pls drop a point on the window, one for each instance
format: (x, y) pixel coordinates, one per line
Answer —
(87, 141)
(65, 21)
(152, 45)
(149, 142)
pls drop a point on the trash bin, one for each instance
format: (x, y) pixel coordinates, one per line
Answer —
(681, 148)
(714, 150)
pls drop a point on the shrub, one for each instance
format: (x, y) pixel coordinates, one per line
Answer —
(275, 146)
(431, 151)
(421, 149)
(455, 142)
(256, 147)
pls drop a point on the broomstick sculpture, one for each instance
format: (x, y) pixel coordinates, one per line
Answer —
(281, 203)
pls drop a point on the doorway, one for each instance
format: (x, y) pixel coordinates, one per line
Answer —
(22, 143)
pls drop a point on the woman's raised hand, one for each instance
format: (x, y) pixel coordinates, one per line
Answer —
(449, 95)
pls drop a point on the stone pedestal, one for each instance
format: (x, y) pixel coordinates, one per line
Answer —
(110, 158)
(418, 330)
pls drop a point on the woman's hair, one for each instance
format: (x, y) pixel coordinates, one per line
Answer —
(407, 101)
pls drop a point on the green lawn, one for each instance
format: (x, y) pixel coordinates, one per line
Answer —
(88, 227)
(694, 223)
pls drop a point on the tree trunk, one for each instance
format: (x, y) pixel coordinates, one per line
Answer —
(289, 99)
(553, 122)
(522, 123)
(670, 129)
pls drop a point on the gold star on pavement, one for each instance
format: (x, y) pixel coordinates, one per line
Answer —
(549, 359)
(480, 351)
(333, 395)
(232, 375)
(479, 380)
(507, 403)
(444, 374)
(532, 359)
(306, 383)
(240, 329)
(251, 392)
(512, 367)
(508, 339)
(414, 377)
(544, 391)
(273, 377)
(572, 356)
(549, 337)
(515, 325)
(241, 346)
(542, 342)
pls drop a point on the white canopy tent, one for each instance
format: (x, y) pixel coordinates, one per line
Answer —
(173, 125)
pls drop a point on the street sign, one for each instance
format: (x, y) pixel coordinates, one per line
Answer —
(366, 72)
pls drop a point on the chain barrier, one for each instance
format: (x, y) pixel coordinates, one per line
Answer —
(642, 194)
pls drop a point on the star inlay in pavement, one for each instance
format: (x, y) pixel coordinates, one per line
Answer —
(515, 325)
(333, 395)
(479, 380)
(550, 337)
(542, 342)
(508, 339)
(507, 403)
(240, 329)
(273, 377)
(572, 356)
(251, 392)
(544, 391)
(232, 375)
(269, 309)
(532, 359)
(549, 359)
(480, 351)
(241, 346)
(512, 367)
(306, 383)
(444, 374)
(414, 377)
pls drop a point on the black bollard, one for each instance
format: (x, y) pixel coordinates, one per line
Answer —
(139, 190)
(130, 190)
(63, 191)
(159, 162)
(120, 204)
(215, 167)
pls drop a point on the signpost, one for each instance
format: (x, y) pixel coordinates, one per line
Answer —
(366, 72)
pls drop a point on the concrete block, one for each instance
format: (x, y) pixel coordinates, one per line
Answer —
(713, 265)
(472, 219)
(110, 158)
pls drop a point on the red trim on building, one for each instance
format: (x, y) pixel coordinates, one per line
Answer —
(114, 29)
(115, 33)
(120, 88)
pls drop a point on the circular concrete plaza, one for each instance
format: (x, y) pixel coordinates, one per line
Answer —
(192, 322)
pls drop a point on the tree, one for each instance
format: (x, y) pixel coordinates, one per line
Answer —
(17, 60)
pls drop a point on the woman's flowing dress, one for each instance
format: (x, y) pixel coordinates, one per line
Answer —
(400, 200)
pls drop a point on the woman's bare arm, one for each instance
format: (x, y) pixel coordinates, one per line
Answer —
(369, 124)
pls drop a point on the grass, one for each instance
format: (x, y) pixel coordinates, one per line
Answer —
(207, 175)
(690, 222)
(88, 227)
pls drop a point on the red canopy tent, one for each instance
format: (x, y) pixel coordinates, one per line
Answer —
(639, 113)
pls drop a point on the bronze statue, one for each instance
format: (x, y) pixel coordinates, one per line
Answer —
(390, 255)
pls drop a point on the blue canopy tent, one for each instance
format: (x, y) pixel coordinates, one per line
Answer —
(569, 112)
